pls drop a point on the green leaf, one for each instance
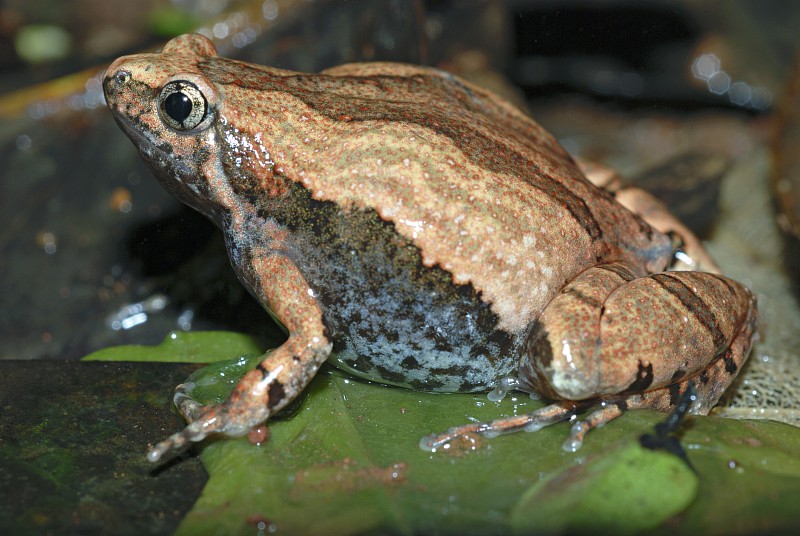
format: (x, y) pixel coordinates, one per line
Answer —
(608, 494)
(749, 477)
(183, 347)
(350, 455)
(346, 460)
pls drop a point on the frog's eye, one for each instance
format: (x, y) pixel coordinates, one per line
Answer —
(182, 105)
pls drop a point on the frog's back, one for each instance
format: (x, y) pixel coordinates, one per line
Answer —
(433, 220)
(479, 189)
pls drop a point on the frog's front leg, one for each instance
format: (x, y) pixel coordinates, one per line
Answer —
(619, 342)
(276, 380)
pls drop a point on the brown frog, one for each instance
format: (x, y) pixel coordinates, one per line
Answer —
(416, 230)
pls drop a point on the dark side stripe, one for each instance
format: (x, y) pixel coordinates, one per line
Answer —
(694, 306)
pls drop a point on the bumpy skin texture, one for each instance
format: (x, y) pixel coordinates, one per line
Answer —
(427, 232)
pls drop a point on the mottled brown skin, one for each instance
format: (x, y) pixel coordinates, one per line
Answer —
(432, 236)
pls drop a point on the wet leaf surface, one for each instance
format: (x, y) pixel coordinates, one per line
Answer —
(183, 347)
(347, 461)
(608, 493)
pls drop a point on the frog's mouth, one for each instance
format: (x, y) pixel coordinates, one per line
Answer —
(144, 141)
(157, 153)
(176, 176)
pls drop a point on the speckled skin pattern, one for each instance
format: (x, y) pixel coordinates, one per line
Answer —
(430, 234)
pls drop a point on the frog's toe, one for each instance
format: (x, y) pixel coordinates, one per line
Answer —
(429, 443)
(530, 422)
(503, 387)
(596, 419)
(189, 407)
(224, 419)
(174, 442)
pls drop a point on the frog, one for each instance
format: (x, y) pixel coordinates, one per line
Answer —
(416, 230)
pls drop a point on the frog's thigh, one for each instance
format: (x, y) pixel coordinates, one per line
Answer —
(608, 333)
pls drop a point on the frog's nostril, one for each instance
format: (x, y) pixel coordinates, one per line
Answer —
(122, 77)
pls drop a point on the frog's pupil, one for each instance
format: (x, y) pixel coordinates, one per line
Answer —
(178, 106)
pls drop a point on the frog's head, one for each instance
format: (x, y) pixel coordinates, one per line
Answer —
(166, 106)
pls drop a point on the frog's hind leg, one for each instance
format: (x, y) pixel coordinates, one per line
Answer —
(608, 333)
(706, 388)
(618, 342)
(530, 422)
(636, 342)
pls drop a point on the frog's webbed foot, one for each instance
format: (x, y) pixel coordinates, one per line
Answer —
(530, 422)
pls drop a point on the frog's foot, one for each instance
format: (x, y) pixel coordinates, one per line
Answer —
(536, 420)
(191, 410)
(599, 417)
(261, 392)
(530, 422)
(694, 395)
(232, 418)
(682, 397)
(227, 419)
